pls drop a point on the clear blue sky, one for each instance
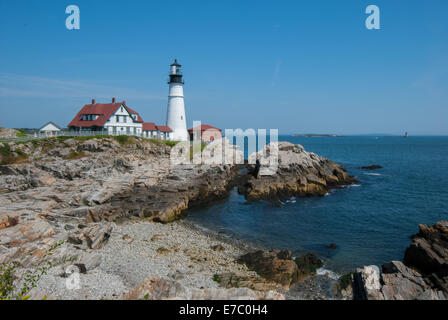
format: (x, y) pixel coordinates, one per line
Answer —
(299, 66)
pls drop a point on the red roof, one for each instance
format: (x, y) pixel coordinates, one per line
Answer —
(203, 127)
(104, 110)
(164, 129)
(149, 126)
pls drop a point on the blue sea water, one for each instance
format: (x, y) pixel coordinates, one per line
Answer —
(370, 222)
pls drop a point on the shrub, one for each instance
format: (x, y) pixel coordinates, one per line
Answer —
(217, 278)
(123, 139)
(345, 280)
(12, 288)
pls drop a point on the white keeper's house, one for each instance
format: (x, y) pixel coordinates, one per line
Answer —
(116, 118)
(50, 129)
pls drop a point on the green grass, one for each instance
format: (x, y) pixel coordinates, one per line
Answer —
(21, 134)
(308, 264)
(345, 280)
(7, 156)
(5, 150)
(167, 142)
(123, 139)
(217, 278)
(75, 155)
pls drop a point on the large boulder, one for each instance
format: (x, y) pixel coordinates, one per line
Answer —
(274, 265)
(366, 283)
(403, 283)
(288, 170)
(92, 237)
(429, 249)
(428, 253)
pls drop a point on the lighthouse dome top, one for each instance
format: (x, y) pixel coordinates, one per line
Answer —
(176, 63)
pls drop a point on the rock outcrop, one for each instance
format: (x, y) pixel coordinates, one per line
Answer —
(275, 265)
(278, 266)
(7, 133)
(428, 253)
(154, 288)
(421, 276)
(299, 173)
(371, 167)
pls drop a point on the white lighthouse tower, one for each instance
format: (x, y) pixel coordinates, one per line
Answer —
(175, 117)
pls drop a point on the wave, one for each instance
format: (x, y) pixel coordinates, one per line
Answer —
(325, 272)
(354, 185)
(372, 174)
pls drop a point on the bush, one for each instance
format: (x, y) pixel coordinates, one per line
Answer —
(9, 283)
(14, 288)
(217, 278)
(345, 280)
(123, 139)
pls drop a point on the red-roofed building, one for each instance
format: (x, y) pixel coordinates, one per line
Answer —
(165, 132)
(207, 133)
(114, 118)
(150, 130)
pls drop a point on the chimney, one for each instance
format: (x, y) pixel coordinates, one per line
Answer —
(124, 102)
(93, 101)
(113, 100)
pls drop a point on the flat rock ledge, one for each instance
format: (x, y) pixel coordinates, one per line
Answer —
(423, 274)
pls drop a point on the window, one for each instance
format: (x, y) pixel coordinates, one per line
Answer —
(117, 118)
(181, 117)
(121, 109)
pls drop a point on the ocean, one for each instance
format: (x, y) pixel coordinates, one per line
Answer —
(370, 222)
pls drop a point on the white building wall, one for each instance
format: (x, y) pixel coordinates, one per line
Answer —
(128, 127)
(176, 119)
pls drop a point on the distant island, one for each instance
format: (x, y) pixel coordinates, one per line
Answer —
(316, 135)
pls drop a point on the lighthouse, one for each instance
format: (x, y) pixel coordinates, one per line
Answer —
(175, 117)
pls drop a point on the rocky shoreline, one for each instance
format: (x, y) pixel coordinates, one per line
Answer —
(422, 275)
(107, 209)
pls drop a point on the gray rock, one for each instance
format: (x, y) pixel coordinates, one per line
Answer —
(367, 284)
